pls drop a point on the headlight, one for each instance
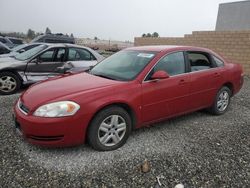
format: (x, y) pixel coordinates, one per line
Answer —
(57, 109)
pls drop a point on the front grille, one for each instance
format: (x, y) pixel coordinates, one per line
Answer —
(23, 108)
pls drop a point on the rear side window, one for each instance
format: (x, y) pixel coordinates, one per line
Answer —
(218, 62)
(60, 55)
(78, 54)
(199, 61)
(173, 64)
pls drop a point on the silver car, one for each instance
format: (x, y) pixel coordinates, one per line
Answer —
(43, 62)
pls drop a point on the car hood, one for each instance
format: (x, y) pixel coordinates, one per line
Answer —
(65, 87)
(7, 62)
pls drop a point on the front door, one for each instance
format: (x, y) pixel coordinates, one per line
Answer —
(166, 97)
(46, 64)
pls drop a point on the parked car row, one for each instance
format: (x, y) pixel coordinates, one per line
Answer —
(11, 46)
(43, 61)
(128, 90)
(11, 42)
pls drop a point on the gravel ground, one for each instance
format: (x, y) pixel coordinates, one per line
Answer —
(196, 150)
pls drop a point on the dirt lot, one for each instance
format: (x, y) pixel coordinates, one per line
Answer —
(196, 150)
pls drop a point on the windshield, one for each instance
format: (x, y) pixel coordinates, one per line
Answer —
(124, 65)
(30, 53)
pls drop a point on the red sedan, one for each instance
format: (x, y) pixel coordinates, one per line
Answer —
(128, 90)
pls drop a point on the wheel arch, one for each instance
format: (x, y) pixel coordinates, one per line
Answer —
(13, 72)
(230, 86)
(123, 105)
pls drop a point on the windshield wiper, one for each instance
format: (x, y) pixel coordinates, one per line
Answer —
(104, 76)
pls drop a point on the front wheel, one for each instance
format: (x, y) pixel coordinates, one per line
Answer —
(109, 129)
(9, 83)
(222, 101)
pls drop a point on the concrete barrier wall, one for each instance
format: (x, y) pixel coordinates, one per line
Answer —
(233, 45)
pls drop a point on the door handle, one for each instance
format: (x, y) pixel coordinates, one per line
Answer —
(216, 74)
(182, 82)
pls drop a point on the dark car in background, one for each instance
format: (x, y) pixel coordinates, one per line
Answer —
(6, 41)
(54, 38)
(20, 49)
(43, 62)
(4, 49)
(15, 41)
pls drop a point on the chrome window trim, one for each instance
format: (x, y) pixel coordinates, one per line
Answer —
(215, 56)
(146, 81)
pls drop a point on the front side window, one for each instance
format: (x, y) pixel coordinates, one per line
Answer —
(78, 54)
(53, 55)
(124, 65)
(199, 61)
(173, 64)
(47, 56)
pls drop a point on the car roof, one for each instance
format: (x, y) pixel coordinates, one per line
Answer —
(159, 48)
(63, 45)
(57, 36)
(14, 38)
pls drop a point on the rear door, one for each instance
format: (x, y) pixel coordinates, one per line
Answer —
(46, 65)
(205, 79)
(167, 97)
(80, 58)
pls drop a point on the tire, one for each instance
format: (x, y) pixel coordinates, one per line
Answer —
(9, 83)
(109, 129)
(222, 101)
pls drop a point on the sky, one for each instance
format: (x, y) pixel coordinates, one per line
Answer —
(110, 19)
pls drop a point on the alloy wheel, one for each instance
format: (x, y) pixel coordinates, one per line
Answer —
(223, 101)
(112, 130)
(7, 84)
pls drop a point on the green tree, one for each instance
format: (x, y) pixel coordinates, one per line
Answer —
(155, 34)
(148, 35)
(47, 31)
(71, 35)
(144, 35)
(31, 34)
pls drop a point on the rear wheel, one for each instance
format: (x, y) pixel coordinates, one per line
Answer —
(109, 129)
(222, 101)
(9, 83)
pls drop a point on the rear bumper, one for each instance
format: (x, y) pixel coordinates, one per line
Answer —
(51, 132)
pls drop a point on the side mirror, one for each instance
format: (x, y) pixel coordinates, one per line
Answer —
(65, 68)
(61, 70)
(159, 75)
(21, 51)
(35, 60)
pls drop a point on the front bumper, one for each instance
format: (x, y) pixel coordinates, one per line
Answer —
(51, 132)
